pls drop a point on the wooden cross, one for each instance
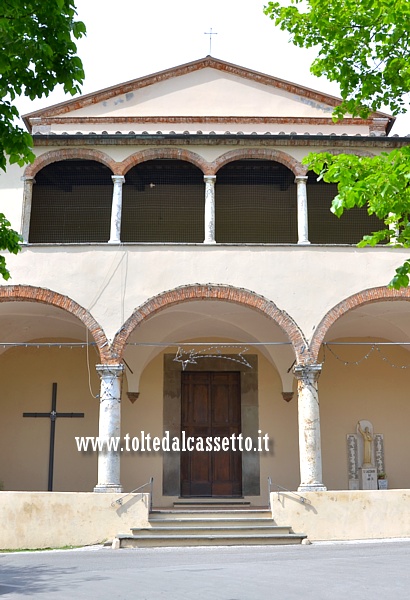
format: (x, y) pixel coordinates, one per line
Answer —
(210, 33)
(52, 415)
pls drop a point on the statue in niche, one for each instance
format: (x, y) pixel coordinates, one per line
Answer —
(366, 431)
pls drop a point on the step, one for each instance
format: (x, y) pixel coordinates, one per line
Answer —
(214, 522)
(211, 502)
(209, 539)
(195, 531)
(214, 513)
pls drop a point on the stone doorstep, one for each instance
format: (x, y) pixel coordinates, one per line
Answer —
(211, 502)
(209, 513)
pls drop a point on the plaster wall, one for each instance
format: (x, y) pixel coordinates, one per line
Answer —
(111, 281)
(42, 520)
(375, 389)
(26, 386)
(345, 515)
(206, 92)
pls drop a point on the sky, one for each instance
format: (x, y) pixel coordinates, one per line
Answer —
(127, 39)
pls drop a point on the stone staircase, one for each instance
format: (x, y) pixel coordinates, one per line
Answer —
(209, 524)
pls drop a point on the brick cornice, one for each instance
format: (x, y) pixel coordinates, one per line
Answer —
(206, 119)
(213, 292)
(369, 296)
(27, 293)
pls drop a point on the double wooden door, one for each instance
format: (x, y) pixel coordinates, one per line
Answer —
(211, 409)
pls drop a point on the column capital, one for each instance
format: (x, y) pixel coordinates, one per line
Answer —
(301, 178)
(209, 177)
(29, 178)
(310, 371)
(118, 178)
(110, 370)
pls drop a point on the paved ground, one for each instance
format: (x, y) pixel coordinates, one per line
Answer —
(320, 571)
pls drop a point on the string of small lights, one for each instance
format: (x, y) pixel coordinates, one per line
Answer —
(375, 347)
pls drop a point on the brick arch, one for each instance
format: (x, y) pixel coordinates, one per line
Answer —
(168, 153)
(209, 292)
(263, 154)
(70, 153)
(28, 293)
(369, 296)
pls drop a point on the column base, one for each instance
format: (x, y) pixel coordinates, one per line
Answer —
(114, 242)
(108, 488)
(209, 242)
(303, 243)
(313, 487)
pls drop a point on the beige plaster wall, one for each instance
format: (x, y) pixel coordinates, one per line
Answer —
(42, 520)
(372, 390)
(26, 386)
(345, 515)
(206, 92)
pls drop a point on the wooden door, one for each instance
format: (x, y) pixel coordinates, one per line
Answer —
(211, 408)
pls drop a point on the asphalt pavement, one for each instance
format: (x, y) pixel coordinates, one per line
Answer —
(348, 571)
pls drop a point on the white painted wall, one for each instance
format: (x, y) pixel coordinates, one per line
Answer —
(111, 281)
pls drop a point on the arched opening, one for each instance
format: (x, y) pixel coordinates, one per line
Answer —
(71, 203)
(163, 201)
(325, 227)
(255, 203)
(231, 331)
(366, 360)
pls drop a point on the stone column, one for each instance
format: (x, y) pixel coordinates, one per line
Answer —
(209, 209)
(310, 455)
(27, 200)
(115, 231)
(109, 427)
(303, 231)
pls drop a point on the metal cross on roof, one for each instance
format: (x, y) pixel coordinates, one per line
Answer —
(210, 33)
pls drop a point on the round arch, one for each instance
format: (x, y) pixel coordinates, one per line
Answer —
(168, 153)
(263, 154)
(211, 292)
(70, 153)
(27, 293)
(368, 296)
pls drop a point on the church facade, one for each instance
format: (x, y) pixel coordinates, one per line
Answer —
(181, 277)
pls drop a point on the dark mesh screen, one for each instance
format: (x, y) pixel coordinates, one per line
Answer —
(255, 203)
(163, 201)
(71, 203)
(325, 227)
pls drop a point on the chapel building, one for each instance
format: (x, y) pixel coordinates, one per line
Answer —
(181, 272)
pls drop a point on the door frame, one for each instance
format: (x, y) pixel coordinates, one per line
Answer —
(171, 464)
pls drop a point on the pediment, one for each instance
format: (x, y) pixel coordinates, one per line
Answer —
(204, 91)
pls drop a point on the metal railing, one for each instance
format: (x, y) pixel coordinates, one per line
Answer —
(283, 490)
(149, 483)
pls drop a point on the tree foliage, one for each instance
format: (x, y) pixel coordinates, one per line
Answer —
(38, 52)
(365, 47)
